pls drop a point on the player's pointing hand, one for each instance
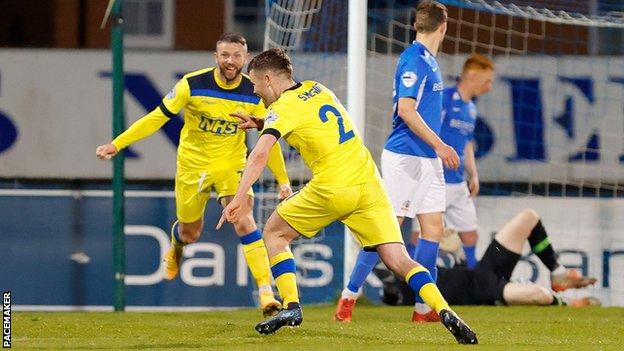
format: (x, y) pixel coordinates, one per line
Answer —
(232, 212)
(247, 121)
(221, 221)
(106, 151)
(227, 213)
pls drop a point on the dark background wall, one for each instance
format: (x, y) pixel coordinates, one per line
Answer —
(76, 24)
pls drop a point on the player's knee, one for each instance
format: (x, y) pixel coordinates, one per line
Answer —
(271, 236)
(269, 233)
(272, 240)
(542, 296)
(530, 213)
(392, 261)
(275, 236)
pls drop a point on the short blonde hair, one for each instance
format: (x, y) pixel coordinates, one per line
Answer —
(275, 60)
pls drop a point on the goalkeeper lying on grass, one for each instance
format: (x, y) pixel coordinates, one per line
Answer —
(489, 282)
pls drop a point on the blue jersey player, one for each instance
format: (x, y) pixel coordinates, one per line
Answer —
(412, 159)
(456, 129)
(459, 117)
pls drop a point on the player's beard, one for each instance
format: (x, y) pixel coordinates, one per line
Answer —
(230, 76)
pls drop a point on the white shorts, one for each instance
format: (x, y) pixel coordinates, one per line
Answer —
(415, 184)
(460, 214)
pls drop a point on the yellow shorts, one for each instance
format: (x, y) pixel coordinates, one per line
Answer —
(192, 190)
(364, 208)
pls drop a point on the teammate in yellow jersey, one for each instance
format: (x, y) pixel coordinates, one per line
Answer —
(345, 186)
(211, 155)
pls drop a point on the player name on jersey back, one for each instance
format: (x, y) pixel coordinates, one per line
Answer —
(313, 121)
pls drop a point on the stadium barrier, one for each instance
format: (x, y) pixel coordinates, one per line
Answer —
(56, 251)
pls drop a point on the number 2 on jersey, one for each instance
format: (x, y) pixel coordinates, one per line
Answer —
(343, 136)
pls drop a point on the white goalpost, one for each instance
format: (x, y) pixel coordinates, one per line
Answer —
(356, 100)
(285, 24)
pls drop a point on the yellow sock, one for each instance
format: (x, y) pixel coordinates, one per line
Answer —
(257, 258)
(284, 272)
(258, 262)
(421, 282)
(432, 297)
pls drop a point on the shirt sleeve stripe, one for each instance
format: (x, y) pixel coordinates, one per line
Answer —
(421, 89)
(251, 99)
(166, 111)
(273, 132)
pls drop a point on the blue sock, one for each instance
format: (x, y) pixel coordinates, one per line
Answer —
(366, 260)
(471, 258)
(411, 250)
(417, 280)
(427, 255)
(251, 237)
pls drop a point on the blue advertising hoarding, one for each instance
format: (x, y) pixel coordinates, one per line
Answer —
(58, 251)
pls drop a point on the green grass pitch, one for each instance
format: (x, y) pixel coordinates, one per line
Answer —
(373, 328)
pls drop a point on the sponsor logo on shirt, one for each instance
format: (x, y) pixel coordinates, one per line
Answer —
(408, 79)
(463, 126)
(270, 118)
(172, 94)
(438, 86)
(218, 126)
(405, 205)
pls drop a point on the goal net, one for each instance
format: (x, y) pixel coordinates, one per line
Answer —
(550, 134)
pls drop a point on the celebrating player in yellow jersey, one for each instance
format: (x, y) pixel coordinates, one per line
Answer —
(211, 155)
(345, 186)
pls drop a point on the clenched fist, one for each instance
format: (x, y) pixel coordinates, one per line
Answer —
(106, 151)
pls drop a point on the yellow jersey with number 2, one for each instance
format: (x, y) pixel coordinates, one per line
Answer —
(345, 184)
(312, 120)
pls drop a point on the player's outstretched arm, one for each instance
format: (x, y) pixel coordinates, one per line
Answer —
(407, 111)
(171, 104)
(256, 162)
(140, 129)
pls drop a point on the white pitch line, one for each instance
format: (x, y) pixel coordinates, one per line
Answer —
(100, 308)
(103, 193)
(85, 193)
